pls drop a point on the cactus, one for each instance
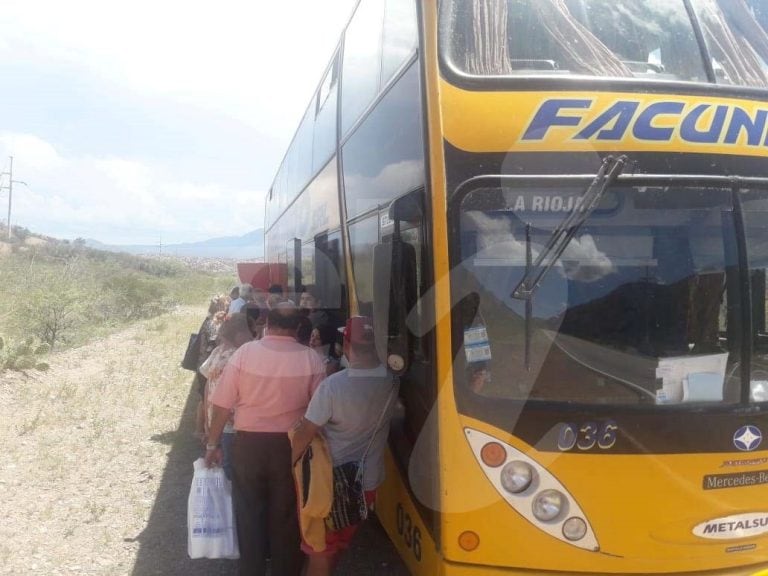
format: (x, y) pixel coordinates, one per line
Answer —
(24, 363)
(24, 355)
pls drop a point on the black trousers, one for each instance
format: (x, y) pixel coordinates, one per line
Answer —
(265, 504)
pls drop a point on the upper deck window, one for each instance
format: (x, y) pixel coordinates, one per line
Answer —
(650, 39)
(736, 40)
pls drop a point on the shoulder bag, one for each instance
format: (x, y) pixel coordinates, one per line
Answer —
(349, 505)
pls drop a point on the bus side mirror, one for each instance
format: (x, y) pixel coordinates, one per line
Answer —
(394, 296)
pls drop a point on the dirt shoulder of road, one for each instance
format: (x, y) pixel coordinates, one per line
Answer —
(98, 461)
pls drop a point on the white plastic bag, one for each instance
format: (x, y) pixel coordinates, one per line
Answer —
(210, 520)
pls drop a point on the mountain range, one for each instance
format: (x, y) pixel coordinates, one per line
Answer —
(249, 246)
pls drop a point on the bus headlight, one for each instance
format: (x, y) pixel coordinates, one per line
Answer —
(532, 490)
(574, 529)
(516, 476)
(547, 505)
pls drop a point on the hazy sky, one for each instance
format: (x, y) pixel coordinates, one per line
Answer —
(136, 121)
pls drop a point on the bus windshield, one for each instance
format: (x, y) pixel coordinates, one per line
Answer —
(644, 306)
(652, 39)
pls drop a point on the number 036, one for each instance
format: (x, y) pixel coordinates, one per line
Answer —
(409, 531)
(587, 436)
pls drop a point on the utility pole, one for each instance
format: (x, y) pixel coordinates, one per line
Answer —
(11, 182)
(10, 195)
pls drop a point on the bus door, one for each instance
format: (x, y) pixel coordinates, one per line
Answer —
(418, 392)
(412, 424)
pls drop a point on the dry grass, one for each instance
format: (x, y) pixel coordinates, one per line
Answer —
(81, 468)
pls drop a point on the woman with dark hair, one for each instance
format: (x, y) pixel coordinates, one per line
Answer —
(304, 331)
(323, 340)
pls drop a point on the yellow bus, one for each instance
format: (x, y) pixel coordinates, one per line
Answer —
(556, 211)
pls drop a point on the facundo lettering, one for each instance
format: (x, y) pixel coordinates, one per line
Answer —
(703, 123)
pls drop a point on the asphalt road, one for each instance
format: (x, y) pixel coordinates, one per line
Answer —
(371, 553)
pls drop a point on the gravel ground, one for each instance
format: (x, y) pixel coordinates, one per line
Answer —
(98, 463)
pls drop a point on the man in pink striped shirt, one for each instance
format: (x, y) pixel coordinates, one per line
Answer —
(268, 383)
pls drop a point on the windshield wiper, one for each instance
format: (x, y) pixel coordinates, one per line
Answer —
(566, 230)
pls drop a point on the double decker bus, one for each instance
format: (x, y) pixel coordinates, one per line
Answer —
(556, 212)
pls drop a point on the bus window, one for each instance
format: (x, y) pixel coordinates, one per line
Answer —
(324, 144)
(291, 162)
(755, 207)
(275, 203)
(329, 271)
(641, 302)
(384, 158)
(303, 142)
(282, 192)
(736, 40)
(364, 236)
(271, 207)
(401, 37)
(308, 264)
(327, 85)
(293, 251)
(653, 39)
(362, 61)
(319, 211)
(276, 241)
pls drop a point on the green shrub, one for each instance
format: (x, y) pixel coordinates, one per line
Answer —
(135, 297)
(53, 306)
(23, 355)
(63, 293)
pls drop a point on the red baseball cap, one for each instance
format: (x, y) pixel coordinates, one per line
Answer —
(359, 330)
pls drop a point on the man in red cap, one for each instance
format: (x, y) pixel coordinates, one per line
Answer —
(353, 408)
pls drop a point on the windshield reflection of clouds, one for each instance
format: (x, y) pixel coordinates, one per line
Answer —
(500, 241)
(498, 264)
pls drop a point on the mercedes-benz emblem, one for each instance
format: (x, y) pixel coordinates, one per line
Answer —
(747, 438)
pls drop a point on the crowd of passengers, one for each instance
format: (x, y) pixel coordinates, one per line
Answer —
(274, 377)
